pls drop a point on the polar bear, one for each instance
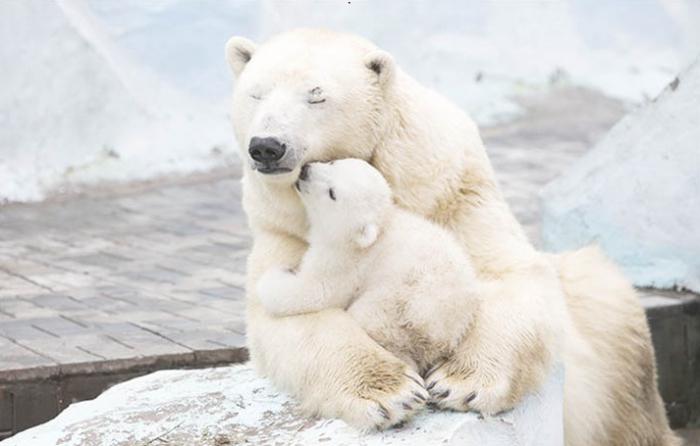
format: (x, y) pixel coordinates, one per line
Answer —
(317, 95)
(405, 280)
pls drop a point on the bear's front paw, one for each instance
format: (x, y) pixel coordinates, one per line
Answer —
(486, 378)
(463, 390)
(272, 288)
(387, 399)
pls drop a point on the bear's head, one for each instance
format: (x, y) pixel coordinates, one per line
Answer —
(346, 200)
(307, 95)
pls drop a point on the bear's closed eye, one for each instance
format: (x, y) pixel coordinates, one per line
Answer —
(331, 193)
(315, 96)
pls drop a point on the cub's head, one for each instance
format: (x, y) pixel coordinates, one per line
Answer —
(345, 200)
(307, 95)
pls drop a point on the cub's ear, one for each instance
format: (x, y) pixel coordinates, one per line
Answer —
(382, 65)
(367, 235)
(239, 51)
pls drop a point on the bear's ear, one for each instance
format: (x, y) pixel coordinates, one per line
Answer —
(239, 51)
(367, 235)
(382, 65)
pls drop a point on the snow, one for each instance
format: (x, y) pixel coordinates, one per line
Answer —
(231, 405)
(121, 91)
(637, 193)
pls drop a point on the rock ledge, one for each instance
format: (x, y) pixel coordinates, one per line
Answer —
(231, 405)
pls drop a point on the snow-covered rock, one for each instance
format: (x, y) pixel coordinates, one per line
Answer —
(231, 405)
(637, 193)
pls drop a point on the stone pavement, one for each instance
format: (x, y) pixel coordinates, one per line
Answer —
(104, 278)
(105, 286)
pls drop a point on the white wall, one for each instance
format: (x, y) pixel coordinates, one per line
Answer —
(96, 90)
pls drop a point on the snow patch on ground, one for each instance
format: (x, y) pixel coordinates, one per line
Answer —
(637, 193)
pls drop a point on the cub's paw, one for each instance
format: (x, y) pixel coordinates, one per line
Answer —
(387, 400)
(273, 286)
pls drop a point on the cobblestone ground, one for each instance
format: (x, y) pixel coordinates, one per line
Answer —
(161, 271)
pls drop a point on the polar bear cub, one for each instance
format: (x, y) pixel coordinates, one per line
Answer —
(404, 279)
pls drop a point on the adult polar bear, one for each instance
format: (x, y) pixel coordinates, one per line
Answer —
(312, 95)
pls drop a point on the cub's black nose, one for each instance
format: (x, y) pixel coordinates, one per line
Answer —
(304, 173)
(266, 150)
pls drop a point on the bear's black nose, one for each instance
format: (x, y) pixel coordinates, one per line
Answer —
(266, 150)
(304, 173)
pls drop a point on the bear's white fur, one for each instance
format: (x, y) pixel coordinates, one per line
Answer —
(324, 96)
(404, 279)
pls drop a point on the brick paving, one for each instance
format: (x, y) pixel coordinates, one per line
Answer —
(105, 281)
(108, 278)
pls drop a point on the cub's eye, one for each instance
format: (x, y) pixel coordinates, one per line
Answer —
(256, 96)
(315, 96)
(331, 193)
